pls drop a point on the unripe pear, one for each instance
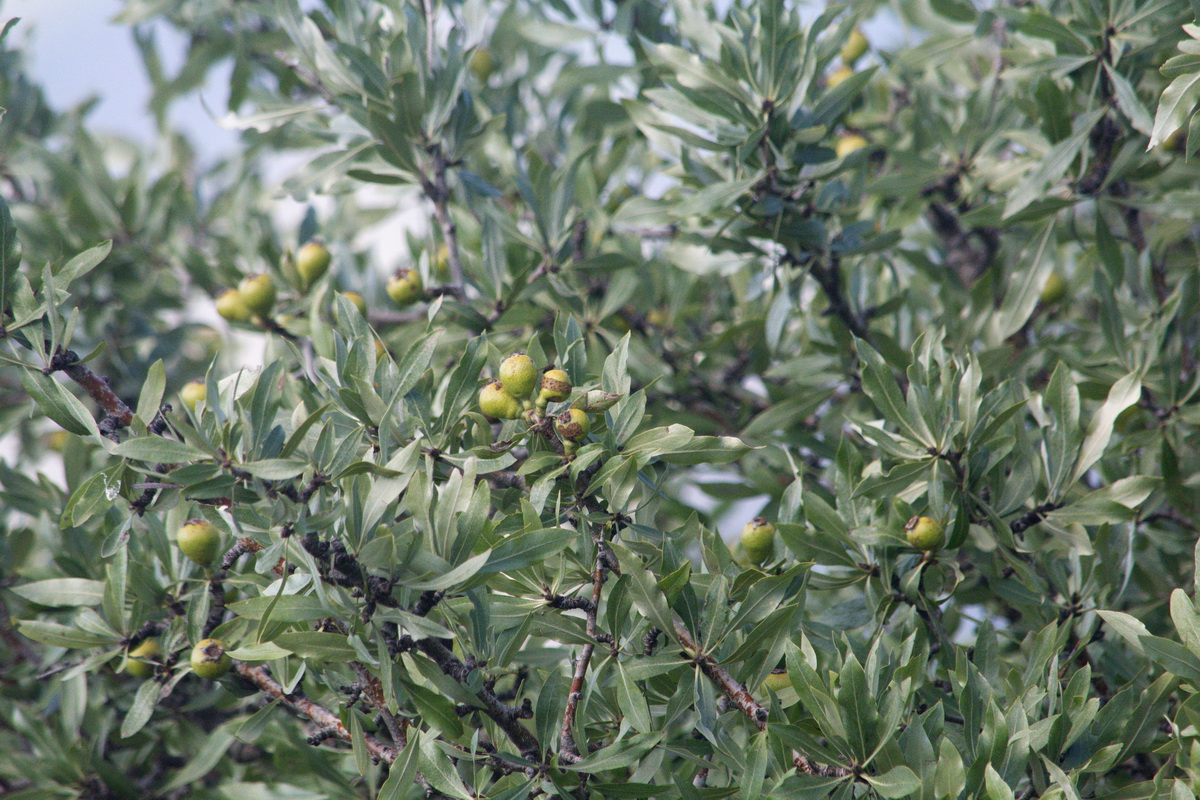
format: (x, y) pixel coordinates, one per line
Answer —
(312, 262)
(556, 387)
(193, 393)
(838, 76)
(496, 403)
(519, 375)
(140, 669)
(210, 659)
(758, 540)
(441, 261)
(847, 143)
(925, 533)
(380, 349)
(572, 425)
(482, 64)
(777, 681)
(405, 287)
(357, 300)
(232, 306)
(258, 293)
(199, 541)
(854, 48)
(1053, 290)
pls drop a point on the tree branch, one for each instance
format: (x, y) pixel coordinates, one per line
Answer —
(323, 717)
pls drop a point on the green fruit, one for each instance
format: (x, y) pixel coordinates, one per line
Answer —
(210, 659)
(847, 143)
(496, 403)
(193, 393)
(556, 387)
(925, 533)
(147, 650)
(758, 540)
(258, 293)
(777, 681)
(405, 287)
(854, 48)
(838, 76)
(199, 541)
(1053, 290)
(312, 262)
(572, 425)
(357, 300)
(519, 375)
(482, 64)
(232, 306)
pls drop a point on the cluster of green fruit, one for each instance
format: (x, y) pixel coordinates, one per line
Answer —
(255, 295)
(201, 543)
(210, 659)
(854, 49)
(758, 537)
(511, 397)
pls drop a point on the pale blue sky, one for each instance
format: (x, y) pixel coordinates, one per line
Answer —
(73, 51)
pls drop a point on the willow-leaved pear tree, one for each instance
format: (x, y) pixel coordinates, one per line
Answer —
(296, 506)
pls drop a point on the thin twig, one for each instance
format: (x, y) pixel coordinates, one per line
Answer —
(325, 719)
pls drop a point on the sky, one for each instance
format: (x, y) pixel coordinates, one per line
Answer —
(74, 52)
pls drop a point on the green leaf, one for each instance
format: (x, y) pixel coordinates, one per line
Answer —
(287, 608)
(10, 258)
(141, 709)
(59, 404)
(154, 449)
(317, 645)
(1123, 394)
(707, 450)
(59, 635)
(896, 782)
(1053, 165)
(62, 592)
(526, 549)
(1175, 106)
(151, 395)
(618, 755)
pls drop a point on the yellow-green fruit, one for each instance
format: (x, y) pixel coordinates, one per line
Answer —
(193, 393)
(210, 659)
(441, 261)
(777, 681)
(140, 669)
(57, 440)
(572, 425)
(556, 387)
(357, 299)
(1176, 142)
(312, 261)
(925, 533)
(854, 48)
(258, 293)
(838, 76)
(496, 403)
(405, 287)
(519, 375)
(847, 143)
(482, 64)
(758, 540)
(199, 541)
(380, 349)
(232, 306)
(1053, 290)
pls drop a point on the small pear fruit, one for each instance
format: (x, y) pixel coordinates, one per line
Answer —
(758, 540)
(925, 533)
(199, 541)
(210, 659)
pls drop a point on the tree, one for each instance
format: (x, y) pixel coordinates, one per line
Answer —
(954, 278)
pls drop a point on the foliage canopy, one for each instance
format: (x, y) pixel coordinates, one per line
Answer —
(955, 278)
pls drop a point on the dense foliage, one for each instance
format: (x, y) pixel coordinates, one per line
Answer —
(953, 279)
